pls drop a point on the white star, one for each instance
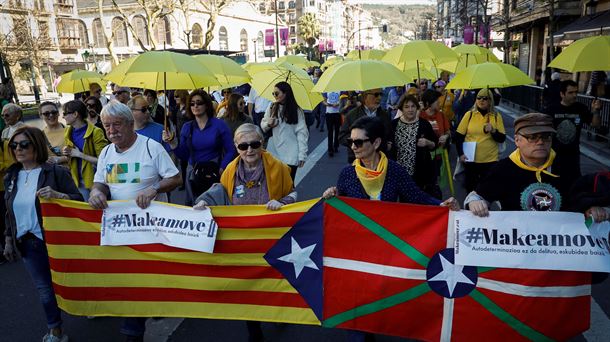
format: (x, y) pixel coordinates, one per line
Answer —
(451, 274)
(299, 257)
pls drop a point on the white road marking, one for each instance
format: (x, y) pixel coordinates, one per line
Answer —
(311, 161)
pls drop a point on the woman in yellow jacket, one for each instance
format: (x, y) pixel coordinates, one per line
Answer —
(83, 144)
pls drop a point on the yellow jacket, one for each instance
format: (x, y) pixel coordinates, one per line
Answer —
(94, 143)
(6, 161)
(277, 174)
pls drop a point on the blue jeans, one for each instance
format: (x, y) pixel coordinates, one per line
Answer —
(133, 326)
(36, 261)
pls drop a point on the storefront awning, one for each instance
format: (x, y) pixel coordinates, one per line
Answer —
(585, 26)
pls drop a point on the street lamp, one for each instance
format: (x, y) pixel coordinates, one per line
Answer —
(94, 60)
(188, 38)
(255, 41)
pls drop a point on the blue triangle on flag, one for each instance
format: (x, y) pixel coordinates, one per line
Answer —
(298, 256)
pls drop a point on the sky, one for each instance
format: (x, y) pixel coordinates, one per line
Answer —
(394, 2)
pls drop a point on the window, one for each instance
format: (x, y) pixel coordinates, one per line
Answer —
(162, 31)
(292, 30)
(282, 17)
(281, 5)
(312, 2)
(261, 7)
(292, 18)
(139, 25)
(243, 40)
(260, 45)
(99, 40)
(223, 39)
(197, 35)
(43, 30)
(82, 34)
(291, 4)
(119, 29)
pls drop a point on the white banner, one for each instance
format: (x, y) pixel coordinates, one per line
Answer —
(124, 223)
(531, 240)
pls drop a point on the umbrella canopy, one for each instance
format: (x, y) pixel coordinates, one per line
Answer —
(77, 81)
(420, 50)
(360, 75)
(227, 71)
(585, 54)
(489, 75)
(466, 60)
(412, 74)
(332, 61)
(366, 54)
(159, 70)
(297, 61)
(470, 49)
(264, 82)
(253, 68)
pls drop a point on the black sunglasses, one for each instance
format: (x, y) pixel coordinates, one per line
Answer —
(357, 142)
(484, 98)
(376, 94)
(53, 112)
(119, 92)
(143, 109)
(23, 144)
(253, 144)
(197, 103)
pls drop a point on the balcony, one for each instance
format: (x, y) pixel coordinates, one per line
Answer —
(528, 11)
(69, 43)
(65, 7)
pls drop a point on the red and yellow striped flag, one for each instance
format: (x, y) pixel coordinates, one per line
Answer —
(235, 282)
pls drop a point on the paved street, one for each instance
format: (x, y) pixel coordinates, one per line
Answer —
(23, 319)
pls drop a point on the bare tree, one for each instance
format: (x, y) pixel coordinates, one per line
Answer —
(154, 11)
(108, 34)
(186, 7)
(214, 7)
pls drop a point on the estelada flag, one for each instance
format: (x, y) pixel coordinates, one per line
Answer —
(388, 268)
(161, 281)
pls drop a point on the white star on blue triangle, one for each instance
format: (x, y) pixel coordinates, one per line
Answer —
(299, 257)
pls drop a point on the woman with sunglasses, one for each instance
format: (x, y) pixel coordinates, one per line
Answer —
(83, 144)
(254, 177)
(286, 121)
(234, 114)
(55, 133)
(94, 108)
(205, 142)
(374, 176)
(226, 93)
(484, 126)
(26, 180)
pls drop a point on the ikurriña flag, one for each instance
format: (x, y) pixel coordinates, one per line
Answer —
(154, 280)
(389, 268)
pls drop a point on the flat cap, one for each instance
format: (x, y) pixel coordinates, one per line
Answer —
(533, 123)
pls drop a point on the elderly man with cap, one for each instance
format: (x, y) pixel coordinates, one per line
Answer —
(525, 180)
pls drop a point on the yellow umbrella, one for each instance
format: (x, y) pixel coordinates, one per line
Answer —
(467, 60)
(228, 72)
(366, 54)
(587, 54)
(77, 81)
(159, 70)
(419, 50)
(332, 61)
(489, 75)
(297, 61)
(264, 82)
(469, 49)
(412, 74)
(253, 68)
(360, 75)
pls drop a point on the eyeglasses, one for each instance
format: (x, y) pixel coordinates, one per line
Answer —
(483, 98)
(115, 93)
(23, 144)
(438, 87)
(534, 138)
(226, 92)
(143, 109)
(47, 114)
(423, 83)
(97, 91)
(275, 93)
(377, 94)
(197, 103)
(90, 105)
(357, 142)
(69, 113)
(253, 144)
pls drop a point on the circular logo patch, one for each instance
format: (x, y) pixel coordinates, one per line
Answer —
(540, 197)
(450, 280)
(566, 132)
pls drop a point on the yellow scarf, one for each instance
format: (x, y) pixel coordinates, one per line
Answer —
(516, 158)
(372, 180)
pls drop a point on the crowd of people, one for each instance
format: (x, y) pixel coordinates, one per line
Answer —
(234, 147)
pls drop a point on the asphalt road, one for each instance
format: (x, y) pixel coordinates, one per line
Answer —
(22, 318)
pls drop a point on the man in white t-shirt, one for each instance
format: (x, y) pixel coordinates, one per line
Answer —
(132, 167)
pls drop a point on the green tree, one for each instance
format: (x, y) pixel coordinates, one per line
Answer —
(309, 29)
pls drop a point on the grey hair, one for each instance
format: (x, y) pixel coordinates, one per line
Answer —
(117, 109)
(248, 128)
(13, 108)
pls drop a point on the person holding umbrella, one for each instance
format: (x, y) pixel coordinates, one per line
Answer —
(286, 120)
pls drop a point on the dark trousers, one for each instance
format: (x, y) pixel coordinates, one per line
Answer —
(333, 124)
(293, 171)
(36, 261)
(133, 326)
(475, 173)
(257, 117)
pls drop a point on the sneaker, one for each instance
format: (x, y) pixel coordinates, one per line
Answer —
(52, 338)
